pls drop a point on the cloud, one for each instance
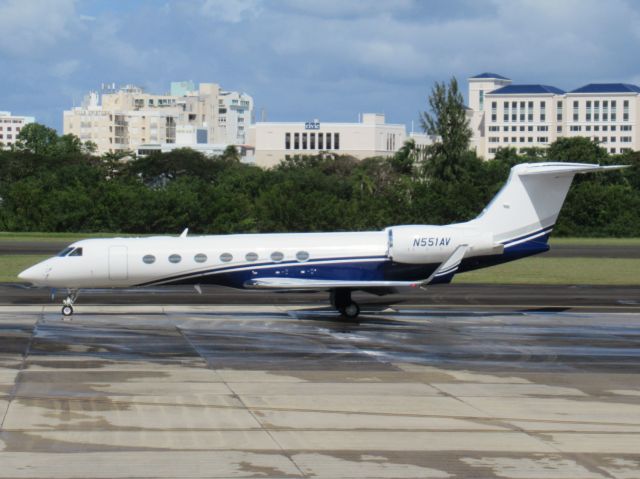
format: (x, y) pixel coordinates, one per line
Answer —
(302, 58)
(231, 11)
(65, 68)
(33, 26)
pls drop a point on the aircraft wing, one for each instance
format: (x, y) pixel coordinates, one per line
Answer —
(443, 273)
(299, 283)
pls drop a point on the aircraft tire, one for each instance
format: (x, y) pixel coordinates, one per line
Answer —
(351, 310)
(67, 310)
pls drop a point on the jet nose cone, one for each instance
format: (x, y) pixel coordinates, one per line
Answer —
(34, 274)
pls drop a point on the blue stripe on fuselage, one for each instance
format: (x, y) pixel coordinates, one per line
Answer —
(377, 268)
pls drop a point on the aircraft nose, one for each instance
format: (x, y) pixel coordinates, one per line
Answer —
(34, 274)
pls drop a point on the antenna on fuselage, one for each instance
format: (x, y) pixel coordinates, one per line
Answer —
(184, 233)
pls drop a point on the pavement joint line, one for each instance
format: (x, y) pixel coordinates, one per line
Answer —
(261, 426)
(18, 377)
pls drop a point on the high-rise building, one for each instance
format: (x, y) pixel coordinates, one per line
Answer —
(10, 126)
(534, 115)
(126, 118)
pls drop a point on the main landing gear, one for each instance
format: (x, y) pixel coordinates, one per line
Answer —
(67, 303)
(341, 300)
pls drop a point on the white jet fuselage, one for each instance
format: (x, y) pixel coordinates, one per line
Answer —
(236, 260)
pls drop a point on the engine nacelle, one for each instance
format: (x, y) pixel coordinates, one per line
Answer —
(422, 244)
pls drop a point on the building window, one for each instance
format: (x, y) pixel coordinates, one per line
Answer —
(494, 118)
(320, 141)
(506, 139)
(587, 128)
(612, 139)
(328, 136)
(481, 101)
(336, 141)
(200, 258)
(296, 141)
(304, 141)
(559, 129)
(312, 141)
(287, 141)
(175, 258)
(625, 139)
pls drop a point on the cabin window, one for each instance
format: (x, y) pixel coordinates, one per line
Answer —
(302, 256)
(65, 251)
(251, 257)
(277, 256)
(226, 257)
(148, 259)
(76, 252)
(200, 258)
(175, 258)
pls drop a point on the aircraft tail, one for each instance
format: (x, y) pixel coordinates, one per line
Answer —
(527, 206)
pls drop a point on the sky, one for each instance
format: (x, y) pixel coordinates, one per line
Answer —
(304, 59)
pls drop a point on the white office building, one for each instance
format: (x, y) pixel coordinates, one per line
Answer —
(534, 115)
(372, 136)
(125, 119)
(10, 126)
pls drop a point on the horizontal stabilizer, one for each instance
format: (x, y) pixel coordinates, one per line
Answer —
(527, 169)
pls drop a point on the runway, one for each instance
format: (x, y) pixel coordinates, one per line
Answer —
(277, 390)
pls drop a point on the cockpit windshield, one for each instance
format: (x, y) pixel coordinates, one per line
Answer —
(70, 251)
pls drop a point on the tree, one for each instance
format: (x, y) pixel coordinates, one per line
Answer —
(448, 123)
(405, 157)
(576, 149)
(36, 138)
(231, 153)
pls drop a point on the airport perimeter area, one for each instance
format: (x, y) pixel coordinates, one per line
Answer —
(281, 390)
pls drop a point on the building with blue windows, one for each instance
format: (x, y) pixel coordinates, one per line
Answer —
(521, 116)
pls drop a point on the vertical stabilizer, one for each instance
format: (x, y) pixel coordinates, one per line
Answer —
(528, 205)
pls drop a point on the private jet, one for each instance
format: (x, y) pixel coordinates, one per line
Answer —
(515, 224)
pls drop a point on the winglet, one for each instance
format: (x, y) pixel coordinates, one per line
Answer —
(184, 233)
(447, 267)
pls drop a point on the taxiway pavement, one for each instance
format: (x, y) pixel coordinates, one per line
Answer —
(250, 390)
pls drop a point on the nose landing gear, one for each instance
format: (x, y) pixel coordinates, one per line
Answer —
(67, 303)
(341, 300)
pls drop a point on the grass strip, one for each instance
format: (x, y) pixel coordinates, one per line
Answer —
(11, 265)
(594, 271)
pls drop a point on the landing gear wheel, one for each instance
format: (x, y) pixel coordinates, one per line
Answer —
(67, 304)
(351, 311)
